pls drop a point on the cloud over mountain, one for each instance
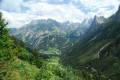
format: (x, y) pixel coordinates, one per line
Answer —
(20, 12)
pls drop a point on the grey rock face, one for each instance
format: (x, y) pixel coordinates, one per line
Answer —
(97, 21)
(117, 18)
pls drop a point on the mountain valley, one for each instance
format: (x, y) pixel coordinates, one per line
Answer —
(46, 49)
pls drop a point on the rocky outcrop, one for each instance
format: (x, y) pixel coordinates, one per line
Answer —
(117, 18)
(97, 21)
(79, 32)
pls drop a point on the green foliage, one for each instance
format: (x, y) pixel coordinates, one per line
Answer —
(98, 53)
(18, 70)
(54, 59)
(35, 53)
(18, 42)
(54, 72)
(108, 68)
(3, 30)
(95, 57)
(53, 49)
(6, 45)
(16, 63)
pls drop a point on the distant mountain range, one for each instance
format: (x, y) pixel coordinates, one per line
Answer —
(92, 46)
(43, 34)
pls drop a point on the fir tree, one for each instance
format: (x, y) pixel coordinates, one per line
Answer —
(5, 42)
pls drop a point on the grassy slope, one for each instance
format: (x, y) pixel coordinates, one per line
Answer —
(23, 66)
(16, 63)
(19, 70)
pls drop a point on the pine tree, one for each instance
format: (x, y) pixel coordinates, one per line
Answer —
(3, 30)
(5, 42)
(35, 53)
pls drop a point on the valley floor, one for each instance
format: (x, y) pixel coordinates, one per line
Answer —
(55, 71)
(17, 69)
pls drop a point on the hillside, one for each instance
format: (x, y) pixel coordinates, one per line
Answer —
(59, 40)
(98, 52)
(19, 62)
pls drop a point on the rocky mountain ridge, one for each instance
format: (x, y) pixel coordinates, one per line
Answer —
(98, 52)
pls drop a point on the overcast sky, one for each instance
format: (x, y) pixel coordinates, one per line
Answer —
(21, 12)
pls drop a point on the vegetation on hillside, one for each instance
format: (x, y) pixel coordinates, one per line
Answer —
(98, 53)
(95, 57)
(18, 62)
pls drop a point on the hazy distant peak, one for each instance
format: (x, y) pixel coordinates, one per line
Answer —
(87, 21)
(98, 20)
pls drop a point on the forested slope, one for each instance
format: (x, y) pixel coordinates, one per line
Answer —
(18, 62)
(98, 52)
